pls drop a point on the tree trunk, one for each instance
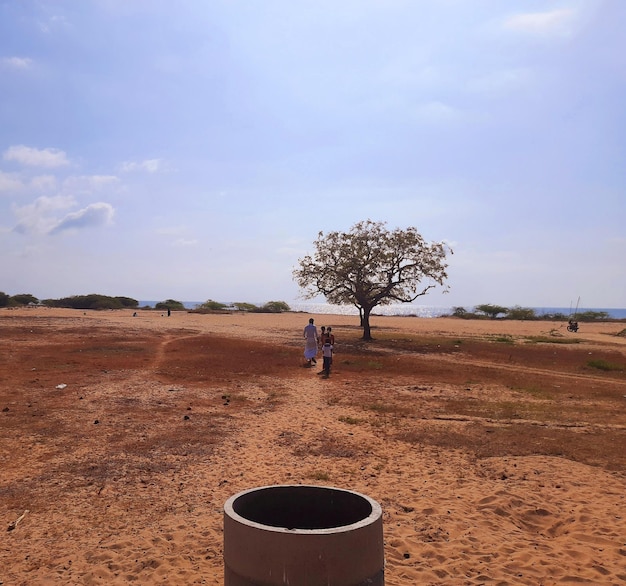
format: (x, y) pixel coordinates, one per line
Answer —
(365, 322)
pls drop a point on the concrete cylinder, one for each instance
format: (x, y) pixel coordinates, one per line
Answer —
(302, 535)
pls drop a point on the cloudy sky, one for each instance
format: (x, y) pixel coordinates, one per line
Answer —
(194, 149)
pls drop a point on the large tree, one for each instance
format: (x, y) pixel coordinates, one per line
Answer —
(370, 266)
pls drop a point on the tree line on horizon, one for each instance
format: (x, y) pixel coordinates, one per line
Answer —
(492, 311)
(97, 301)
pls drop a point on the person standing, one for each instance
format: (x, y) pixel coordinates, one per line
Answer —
(322, 336)
(310, 343)
(327, 355)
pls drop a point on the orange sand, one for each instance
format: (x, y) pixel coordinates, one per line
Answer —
(81, 504)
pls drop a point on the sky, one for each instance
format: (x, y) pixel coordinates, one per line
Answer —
(194, 150)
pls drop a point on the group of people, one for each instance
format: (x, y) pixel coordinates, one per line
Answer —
(315, 343)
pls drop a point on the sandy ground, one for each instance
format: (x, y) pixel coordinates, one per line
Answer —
(496, 449)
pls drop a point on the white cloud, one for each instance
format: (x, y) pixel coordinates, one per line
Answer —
(559, 22)
(16, 62)
(39, 216)
(32, 157)
(94, 215)
(9, 183)
(148, 165)
(44, 216)
(44, 182)
(89, 183)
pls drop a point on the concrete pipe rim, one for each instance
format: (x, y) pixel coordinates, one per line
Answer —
(374, 513)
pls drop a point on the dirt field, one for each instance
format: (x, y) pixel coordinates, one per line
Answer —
(496, 449)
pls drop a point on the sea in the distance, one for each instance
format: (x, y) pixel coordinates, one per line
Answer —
(407, 309)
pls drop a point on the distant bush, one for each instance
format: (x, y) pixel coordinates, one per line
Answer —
(462, 313)
(243, 306)
(269, 307)
(23, 299)
(273, 307)
(604, 365)
(491, 310)
(128, 302)
(592, 316)
(556, 316)
(521, 313)
(211, 305)
(4, 299)
(92, 301)
(170, 304)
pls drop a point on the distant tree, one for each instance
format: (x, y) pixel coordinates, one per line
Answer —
(461, 312)
(556, 316)
(213, 305)
(128, 302)
(4, 299)
(592, 316)
(91, 301)
(370, 266)
(491, 310)
(521, 313)
(171, 304)
(274, 307)
(23, 299)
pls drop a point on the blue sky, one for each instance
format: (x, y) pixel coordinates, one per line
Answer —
(193, 150)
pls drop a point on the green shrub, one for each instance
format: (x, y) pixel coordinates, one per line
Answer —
(243, 306)
(92, 301)
(23, 299)
(213, 305)
(274, 307)
(592, 316)
(521, 313)
(605, 365)
(170, 304)
(505, 339)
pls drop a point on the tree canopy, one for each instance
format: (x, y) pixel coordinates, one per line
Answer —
(491, 309)
(371, 266)
(211, 305)
(92, 301)
(171, 304)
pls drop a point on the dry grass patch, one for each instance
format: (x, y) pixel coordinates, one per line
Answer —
(491, 397)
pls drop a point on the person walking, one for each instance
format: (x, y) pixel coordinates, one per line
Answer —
(310, 342)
